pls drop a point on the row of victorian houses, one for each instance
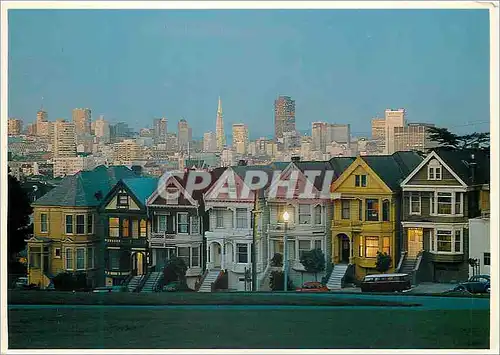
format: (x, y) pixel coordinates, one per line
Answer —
(120, 228)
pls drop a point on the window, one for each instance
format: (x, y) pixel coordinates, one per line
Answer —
(44, 226)
(361, 246)
(114, 227)
(183, 223)
(415, 203)
(317, 215)
(317, 244)
(125, 228)
(371, 248)
(80, 259)
(458, 203)
(458, 240)
(90, 224)
(122, 201)
(195, 259)
(57, 253)
(90, 258)
(360, 180)
(183, 253)
(281, 210)
(195, 225)
(372, 210)
(241, 218)
(386, 245)
(385, 210)
(172, 195)
(135, 228)
(143, 228)
(486, 259)
(434, 170)
(69, 259)
(219, 218)
(242, 253)
(443, 240)
(304, 214)
(360, 210)
(35, 257)
(114, 259)
(346, 212)
(161, 223)
(444, 202)
(304, 245)
(80, 224)
(69, 224)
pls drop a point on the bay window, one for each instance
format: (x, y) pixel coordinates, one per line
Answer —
(90, 224)
(114, 227)
(35, 257)
(219, 218)
(80, 258)
(444, 202)
(125, 228)
(386, 210)
(195, 256)
(80, 224)
(371, 247)
(183, 253)
(135, 228)
(90, 258)
(444, 243)
(68, 259)
(360, 210)
(458, 241)
(386, 245)
(69, 224)
(317, 244)
(143, 228)
(361, 246)
(161, 223)
(195, 225)
(458, 202)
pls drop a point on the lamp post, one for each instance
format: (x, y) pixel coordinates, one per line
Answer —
(286, 217)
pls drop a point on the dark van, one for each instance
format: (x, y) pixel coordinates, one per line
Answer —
(386, 283)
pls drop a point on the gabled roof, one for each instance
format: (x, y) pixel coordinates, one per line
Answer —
(460, 162)
(322, 166)
(142, 187)
(340, 164)
(86, 188)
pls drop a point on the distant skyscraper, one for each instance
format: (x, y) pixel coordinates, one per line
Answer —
(284, 116)
(378, 133)
(219, 128)
(101, 130)
(393, 118)
(209, 142)
(81, 119)
(184, 135)
(414, 137)
(42, 125)
(15, 127)
(64, 142)
(160, 129)
(240, 138)
(318, 133)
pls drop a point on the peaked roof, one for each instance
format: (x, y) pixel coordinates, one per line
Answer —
(322, 166)
(393, 169)
(84, 188)
(460, 162)
(142, 187)
(340, 164)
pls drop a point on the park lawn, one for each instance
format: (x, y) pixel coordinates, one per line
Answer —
(110, 328)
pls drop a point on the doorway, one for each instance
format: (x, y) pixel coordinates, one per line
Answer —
(344, 248)
(138, 263)
(415, 241)
(217, 254)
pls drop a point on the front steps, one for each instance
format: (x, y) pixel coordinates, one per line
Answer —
(335, 280)
(152, 282)
(212, 275)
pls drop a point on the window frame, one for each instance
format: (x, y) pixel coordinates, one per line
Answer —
(90, 223)
(386, 210)
(448, 195)
(241, 253)
(83, 257)
(56, 250)
(370, 248)
(195, 225)
(197, 257)
(318, 215)
(241, 218)
(188, 256)
(305, 214)
(419, 203)
(125, 227)
(434, 171)
(114, 228)
(447, 233)
(386, 245)
(306, 249)
(81, 225)
(219, 217)
(42, 223)
(67, 266)
(143, 229)
(66, 224)
(185, 224)
(345, 209)
(377, 209)
(90, 257)
(487, 257)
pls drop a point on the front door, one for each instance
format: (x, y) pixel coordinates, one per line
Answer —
(217, 255)
(344, 249)
(415, 241)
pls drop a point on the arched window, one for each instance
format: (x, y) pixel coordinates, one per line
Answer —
(385, 210)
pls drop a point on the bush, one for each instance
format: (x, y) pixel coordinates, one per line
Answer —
(383, 262)
(313, 261)
(175, 270)
(67, 281)
(276, 281)
(277, 260)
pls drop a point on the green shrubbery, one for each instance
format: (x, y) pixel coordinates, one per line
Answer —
(67, 281)
(276, 282)
(383, 262)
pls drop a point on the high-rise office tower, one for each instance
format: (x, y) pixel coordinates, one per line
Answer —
(240, 138)
(160, 129)
(64, 140)
(209, 142)
(340, 133)
(101, 130)
(219, 128)
(15, 127)
(318, 133)
(42, 124)
(284, 116)
(81, 119)
(184, 135)
(378, 133)
(393, 118)
(413, 137)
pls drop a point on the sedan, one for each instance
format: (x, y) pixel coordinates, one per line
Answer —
(476, 284)
(312, 286)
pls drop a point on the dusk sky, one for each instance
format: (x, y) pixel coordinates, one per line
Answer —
(341, 66)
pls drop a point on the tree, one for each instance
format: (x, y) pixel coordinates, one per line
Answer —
(18, 217)
(277, 260)
(448, 140)
(276, 281)
(175, 270)
(383, 262)
(313, 261)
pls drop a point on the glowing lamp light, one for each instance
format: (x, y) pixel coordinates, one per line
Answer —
(286, 216)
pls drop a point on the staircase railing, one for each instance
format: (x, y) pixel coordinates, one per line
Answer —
(348, 273)
(416, 267)
(401, 261)
(212, 284)
(200, 282)
(127, 280)
(142, 282)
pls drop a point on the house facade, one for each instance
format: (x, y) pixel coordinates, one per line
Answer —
(309, 209)
(68, 232)
(366, 203)
(126, 229)
(439, 198)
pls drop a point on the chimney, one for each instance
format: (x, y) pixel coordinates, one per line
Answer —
(295, 159)
(242, 162)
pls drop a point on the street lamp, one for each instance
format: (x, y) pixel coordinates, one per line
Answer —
(286, 217)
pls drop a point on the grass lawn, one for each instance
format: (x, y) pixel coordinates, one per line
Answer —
(108, 328)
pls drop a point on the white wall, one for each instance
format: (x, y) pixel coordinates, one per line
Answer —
(479, 242)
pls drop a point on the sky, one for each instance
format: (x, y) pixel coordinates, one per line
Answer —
(340, 66)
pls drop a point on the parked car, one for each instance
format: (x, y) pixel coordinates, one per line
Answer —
(312, 286)
(475, 284)
(386, 283)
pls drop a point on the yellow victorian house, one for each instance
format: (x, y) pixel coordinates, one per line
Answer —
(366, 199)
(67, 230)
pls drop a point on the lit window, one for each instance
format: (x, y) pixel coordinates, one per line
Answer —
(125, 228)
(114, 227)
(135, 228)
(386, 245)
(143, 228)
(371, 247)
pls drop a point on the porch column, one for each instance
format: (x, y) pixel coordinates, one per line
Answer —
(223, 255)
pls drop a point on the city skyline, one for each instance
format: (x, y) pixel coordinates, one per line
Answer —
(433, 63)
